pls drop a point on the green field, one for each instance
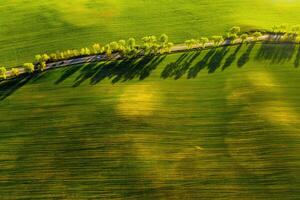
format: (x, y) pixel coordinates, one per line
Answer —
(31, 27)
(216, 124)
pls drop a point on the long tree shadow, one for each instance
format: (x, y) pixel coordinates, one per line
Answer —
(123, 70)
(67, 73)
(297, 59)
(9, 87)
(180, 67)
(246, 56)
(140, 68)
(216, 60)
(170, 68)
(193, 71)
(231, 58)
(276, 53)
(87, 72)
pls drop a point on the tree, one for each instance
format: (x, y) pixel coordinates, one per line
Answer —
(217, 39)
(155, 48)
(244, 37)
(283, 28)
(235, 30)
(256, 35)
(122, 46)
(76, 53)
(163, 39)
(147, 48)
(203, 41)
(29, 67)
(122, 43)
(84, 52)
(15, 72)
(131, 43)
(114, 46)
(231, 36)
(42, 66)
(169, 46)
(3, 72)
(190, 43)
(153, 39)
(53, 56)
(108, 50)
(45, 57)
(96, 48)
(297, 39)
(275, 29)
(296, 29)
(38, 58)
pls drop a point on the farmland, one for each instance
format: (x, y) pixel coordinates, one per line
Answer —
(220, 123)
(28, 28)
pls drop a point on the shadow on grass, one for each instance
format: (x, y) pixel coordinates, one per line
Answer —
(297, 59)
(193, 71)
(119, 71)
(276, 53)
(216, 60)
(180, 67)
(67, 73)
(9, 87)
(245, 57)
(231, 58)
(212, 60)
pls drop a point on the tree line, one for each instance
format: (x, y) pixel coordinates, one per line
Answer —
(152, 45)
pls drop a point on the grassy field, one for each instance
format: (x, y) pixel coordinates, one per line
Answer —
(28, 28)
(217, 124)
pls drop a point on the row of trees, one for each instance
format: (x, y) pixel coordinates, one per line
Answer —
(150, 45)
(129, 48)
(285, 28)
(233, 35)
(287, 33)
(14, 72)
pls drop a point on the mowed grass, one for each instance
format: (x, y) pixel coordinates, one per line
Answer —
(217, 124)
(28, 28)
